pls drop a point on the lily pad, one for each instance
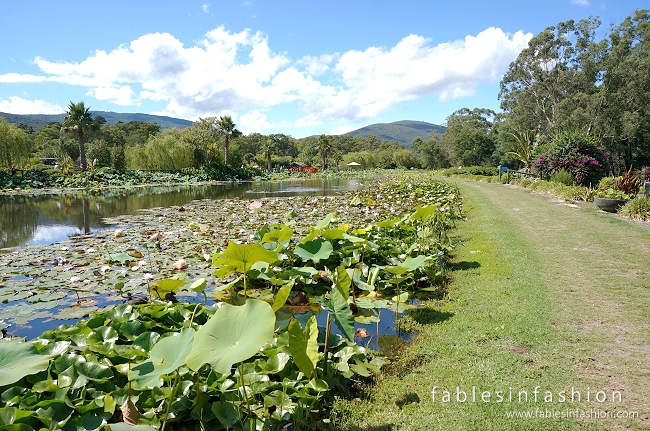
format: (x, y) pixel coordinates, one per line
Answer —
(233, 334)
(18, 360)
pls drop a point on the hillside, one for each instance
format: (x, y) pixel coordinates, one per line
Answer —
(38, 121)
(403, 132)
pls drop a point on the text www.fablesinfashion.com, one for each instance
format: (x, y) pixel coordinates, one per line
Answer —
(571, 414)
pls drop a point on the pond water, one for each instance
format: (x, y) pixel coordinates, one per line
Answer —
(47, 219)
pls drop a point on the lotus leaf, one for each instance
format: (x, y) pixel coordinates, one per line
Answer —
(240, 257)
(337, 306)
(166, 356)
(282, 296)
(303, 346)
(18, 359)
(233, 334)
(168, 285)
(315, 250)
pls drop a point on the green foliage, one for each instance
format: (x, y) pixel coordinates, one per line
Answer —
(562, 176)
(165, 151)
(637, 208)
(15, 146)
(471, 170)
(148, 361)
(19, 359)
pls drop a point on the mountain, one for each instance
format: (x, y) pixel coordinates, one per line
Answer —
(38, 121)
(403, 132)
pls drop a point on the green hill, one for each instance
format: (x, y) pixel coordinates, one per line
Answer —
(403, 132)
(38, 121)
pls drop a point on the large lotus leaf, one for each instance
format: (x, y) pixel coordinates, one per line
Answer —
(18, 360)
(233, 334)
(282, 296)
(315, 250)
(413, 263)
(337, 306)
(279, 233)
(240, 257)
(325, 222)
(303, 346)
(424, 213)
(342, 281)
(168, 285)
(166, 356)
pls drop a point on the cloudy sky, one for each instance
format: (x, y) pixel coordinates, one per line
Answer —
(296, 67)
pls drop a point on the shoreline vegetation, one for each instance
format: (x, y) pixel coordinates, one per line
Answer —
(366, 250)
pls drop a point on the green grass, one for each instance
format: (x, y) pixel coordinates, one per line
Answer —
(544, 294)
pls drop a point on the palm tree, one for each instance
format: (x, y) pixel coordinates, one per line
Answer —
(522, 147)
(268, 148)
(227, 129)
(80, 123)
(324, 147)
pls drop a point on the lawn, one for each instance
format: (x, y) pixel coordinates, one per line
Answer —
(545, 294)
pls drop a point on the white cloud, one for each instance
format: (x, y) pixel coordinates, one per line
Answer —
(18, 105)
(235, 72)
(14, 78)
(205, 7)
(310, 120)
(122, 96)
(253, 121)
(342, 130)
(581, 2)
(317, 65)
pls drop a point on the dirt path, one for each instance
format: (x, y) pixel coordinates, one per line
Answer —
(598, 269)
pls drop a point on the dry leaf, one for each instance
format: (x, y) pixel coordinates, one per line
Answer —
(130, 413)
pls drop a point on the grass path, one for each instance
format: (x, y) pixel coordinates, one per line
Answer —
(545, 294)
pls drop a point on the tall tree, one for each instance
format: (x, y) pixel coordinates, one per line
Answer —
(80, 123)
(227, 129)
(324, 147)
(625, 91)
(468, 134)
(15, 145)
(551, 82)
(268, 149)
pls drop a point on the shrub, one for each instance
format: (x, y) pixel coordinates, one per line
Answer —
(471, 170)
(562, 176)
(575, 153)
(525, 182)
(638, 208)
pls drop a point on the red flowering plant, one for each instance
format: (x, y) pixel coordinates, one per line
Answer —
(577, 154)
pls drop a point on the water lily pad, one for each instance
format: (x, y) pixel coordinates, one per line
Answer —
(166, 356)
(18, 360)
(233, 334)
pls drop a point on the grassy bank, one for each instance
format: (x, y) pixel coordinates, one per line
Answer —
(545, 294)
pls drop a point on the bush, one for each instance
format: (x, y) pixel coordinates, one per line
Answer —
(472, 170)
(562, 176)
(638, 208)
(525, 183)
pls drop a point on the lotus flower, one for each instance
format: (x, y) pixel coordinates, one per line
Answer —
(180, 264)
(74, 280)
(255, 205)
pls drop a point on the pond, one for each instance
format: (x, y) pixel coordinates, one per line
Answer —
(47, 219)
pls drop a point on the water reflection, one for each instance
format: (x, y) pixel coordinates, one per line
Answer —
(46, 219)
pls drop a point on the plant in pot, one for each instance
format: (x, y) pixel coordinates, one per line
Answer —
(614, 193)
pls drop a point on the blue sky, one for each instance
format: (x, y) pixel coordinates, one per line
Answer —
(296, 67)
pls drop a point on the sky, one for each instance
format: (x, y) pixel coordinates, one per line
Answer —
(296, 67)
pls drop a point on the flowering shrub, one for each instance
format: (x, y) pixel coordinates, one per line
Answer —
(577, 154)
